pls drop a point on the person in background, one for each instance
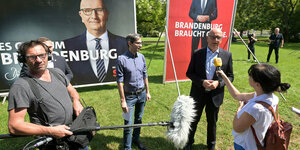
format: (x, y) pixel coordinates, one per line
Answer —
(56, 61)
(207, 90)
(276, 40)
(251, 45)
(265, 80)
(132, 80)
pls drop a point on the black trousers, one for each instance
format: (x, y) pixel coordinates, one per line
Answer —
(271, 47)
(196, 40)
(211, 115)
(252, 48)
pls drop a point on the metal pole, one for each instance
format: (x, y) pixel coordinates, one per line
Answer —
(161, 32)
(97, 128)
(167, 36)
(246, 46)
(254, 57)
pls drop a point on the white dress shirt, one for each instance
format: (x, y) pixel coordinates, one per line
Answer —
(91, 44)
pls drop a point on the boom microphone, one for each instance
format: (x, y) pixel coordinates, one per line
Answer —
(181, 118)
(177, 128)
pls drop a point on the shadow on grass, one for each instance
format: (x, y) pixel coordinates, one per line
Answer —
(99, 142)
(151, 79)
(97, 88)
(103, 142)
(155, 79)
(14, 143)
(199, 146)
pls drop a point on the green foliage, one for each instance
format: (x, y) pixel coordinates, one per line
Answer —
(150, 16)
(269, 14)
(106, 102)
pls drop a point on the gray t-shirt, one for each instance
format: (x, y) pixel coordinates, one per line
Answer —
(58, 104)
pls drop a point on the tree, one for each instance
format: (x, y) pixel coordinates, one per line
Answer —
(150, 16)
(285, 15)
(269, 14)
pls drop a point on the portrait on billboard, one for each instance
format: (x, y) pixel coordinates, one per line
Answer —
(67, 24)
(92, 55)
(188, 23)
(203, 12)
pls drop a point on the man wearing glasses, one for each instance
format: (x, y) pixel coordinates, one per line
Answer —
(54, 61)
(133, 88)
(50, 112)
(102, 46)
(206, 89)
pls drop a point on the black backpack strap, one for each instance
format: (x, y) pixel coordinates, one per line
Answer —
(58, 76)
(34, 88)
(39, 99)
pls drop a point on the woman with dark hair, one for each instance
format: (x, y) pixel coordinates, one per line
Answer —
(265, 80)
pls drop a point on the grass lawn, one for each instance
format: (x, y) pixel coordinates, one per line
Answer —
(105, 100)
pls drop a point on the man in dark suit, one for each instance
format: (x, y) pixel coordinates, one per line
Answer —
(207, 90)
(276, 41)
(98, 49)
(202, 12)
(54, 61)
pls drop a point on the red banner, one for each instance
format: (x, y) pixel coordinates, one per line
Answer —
(187, 25)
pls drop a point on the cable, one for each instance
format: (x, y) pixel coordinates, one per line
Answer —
(42, 142)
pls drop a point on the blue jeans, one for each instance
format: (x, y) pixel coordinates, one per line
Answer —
(139, 102)
(238, 147)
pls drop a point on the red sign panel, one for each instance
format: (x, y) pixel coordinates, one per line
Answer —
(187, 26)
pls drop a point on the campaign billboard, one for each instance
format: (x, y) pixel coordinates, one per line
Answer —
(188, 23)
(60, 21)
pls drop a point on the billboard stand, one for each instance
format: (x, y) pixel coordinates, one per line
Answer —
(4, 95)
(161, 33)
(167, 37)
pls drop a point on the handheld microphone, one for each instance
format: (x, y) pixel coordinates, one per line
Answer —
(218, 64)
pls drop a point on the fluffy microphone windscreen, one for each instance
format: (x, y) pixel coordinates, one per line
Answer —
(182, 115)
(218, 62)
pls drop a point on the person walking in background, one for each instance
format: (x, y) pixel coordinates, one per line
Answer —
(251, 43)
(265, 80)
(206, 89)
(276, 40)
(132, 80)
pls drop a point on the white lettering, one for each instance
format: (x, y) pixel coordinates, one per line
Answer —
(73, 56)
(114, 52)
(94, 56)
(103, 53)
(11, 76)
(5, 46)
(84, 55)
(59, 45)
(6, 58)
(17, 45)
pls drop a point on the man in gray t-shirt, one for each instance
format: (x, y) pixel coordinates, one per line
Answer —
(56, 91)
